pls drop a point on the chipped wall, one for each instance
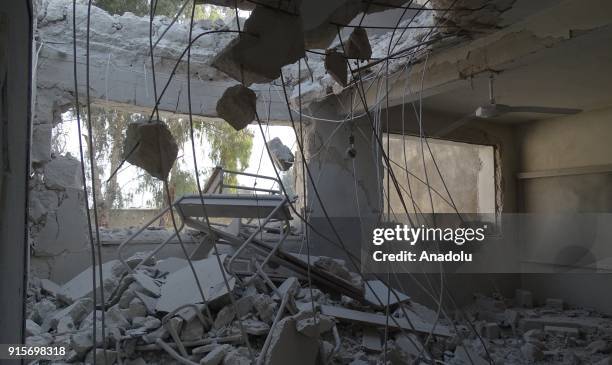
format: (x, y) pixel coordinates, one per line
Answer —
(556, 144)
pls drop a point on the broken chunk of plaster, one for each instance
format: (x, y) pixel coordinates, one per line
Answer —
(237, 106)
(358, 45)
(286, 342)
(281, 154)
(336, 66)
(181, 288)
(150, 146)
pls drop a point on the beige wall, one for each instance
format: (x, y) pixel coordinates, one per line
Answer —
(578, 141)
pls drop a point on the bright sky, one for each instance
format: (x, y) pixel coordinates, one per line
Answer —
(128, 175)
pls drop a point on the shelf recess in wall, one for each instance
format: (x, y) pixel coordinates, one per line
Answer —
(582, 170)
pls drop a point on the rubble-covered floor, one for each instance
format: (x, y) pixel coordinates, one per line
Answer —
(347, 331)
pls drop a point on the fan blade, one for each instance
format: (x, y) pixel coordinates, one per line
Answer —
(454, 125)
(540, 109)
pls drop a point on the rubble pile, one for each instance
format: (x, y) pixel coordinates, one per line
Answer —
(516, 331)
(154, 315)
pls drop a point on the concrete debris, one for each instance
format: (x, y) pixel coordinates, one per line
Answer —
(80, 286)
(31, 328)
(281, 154)
(312, 328)
(336, 66)
(225, 316)
(147, 283)
(150, 146)
(287, 342)
(511, 334)
(255, 327)
(271, 40)
(100, 358)
(181, 288)
(49, 287)
(376, 291)
(237, 106)
(358, 45)
(371, 340)
(216, 355)
(379, 320)
(62, 173)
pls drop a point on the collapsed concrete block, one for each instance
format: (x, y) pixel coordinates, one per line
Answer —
(408, 346)
(278, 41)
(216, 355)
(237, 106)
(265, 307)
(291, 286)
(192, 330)
(63, 172)
(239, 356)
(244, 305)
(336, 66)
(376, 290)
(148, 285)
(99, 355)
(81, 342)
(136, 309)
(65, 325)
(308, 327)
(81, 285)
(150, 146)
(225, 316)
(358, 45)
(31, 328)
(180, 287)
(281, 154)
(371, 340)
(49, 287)
(255, 327)
(44, 339)
(286, 342)
(76, 312)
(42, 310)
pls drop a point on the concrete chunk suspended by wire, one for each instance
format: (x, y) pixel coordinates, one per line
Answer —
(336, 66)
(281, 154)
(237, 106)
(273, 39)
(358, 45)
(150, 146)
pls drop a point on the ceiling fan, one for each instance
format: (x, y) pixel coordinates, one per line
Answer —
(492, 110)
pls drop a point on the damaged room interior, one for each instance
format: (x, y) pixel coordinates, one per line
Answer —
(306, 182)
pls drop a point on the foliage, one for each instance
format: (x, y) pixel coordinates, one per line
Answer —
(168, 8)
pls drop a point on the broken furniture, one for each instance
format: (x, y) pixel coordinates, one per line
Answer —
(263, 206)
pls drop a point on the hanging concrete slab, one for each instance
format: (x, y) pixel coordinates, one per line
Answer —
(150, 146)
(274, 39)
(237, 106)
